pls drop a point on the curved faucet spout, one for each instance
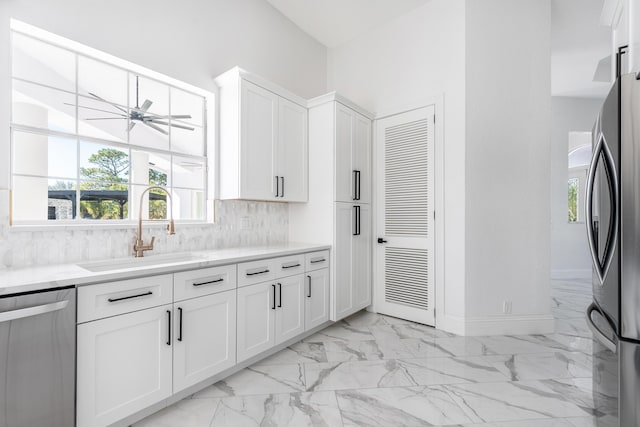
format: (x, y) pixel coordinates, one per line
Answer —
(139, 247)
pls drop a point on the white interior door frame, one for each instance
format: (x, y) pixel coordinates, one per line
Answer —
(437, 101)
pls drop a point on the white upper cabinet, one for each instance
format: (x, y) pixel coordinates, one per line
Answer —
(263, 140)
(292, 158)
(352, 156)
(258, 133)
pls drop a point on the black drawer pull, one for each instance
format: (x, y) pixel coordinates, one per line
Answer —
(210, 282)
(309, 294)
(180, 328)
(273, 307)
(169, 327)
(315, 261)
(257, 272)
(129, 297)
(280, 291)
(291, 266)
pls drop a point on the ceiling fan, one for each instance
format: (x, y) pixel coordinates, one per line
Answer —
(139, 114)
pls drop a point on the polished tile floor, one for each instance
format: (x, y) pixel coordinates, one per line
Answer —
(373, 370)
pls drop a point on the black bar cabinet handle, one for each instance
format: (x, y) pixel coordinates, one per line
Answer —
(282, 178)
(355, 218)
(277, 186)
(309, 294)
(358, 178)
(280, 292)
(169, 327)
(359, 219)
(291, 266)
(315, 261)
(129, 297)
(258, 272)
(355, 184)
(273, 307)
(209, 282)
(180, 324)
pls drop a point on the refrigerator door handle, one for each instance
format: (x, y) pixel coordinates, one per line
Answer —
(597, 333)
(602, 150)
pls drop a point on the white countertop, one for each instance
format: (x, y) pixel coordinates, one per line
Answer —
(53, 276)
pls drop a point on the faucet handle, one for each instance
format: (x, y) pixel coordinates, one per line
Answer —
(150, 246)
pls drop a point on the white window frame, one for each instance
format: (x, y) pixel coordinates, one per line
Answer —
(210, 148)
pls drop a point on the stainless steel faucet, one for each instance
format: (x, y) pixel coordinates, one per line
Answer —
(139, 247)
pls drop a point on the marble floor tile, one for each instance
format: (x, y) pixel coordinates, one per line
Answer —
(301, 352)
(537, 366)
(355, 375)
(341, 331)
(573, 327)
(445, 347)
(262, 379)
(513, 344)
(366, 318)
(342, 351)
(604, 421)
(580, 392)
(400, 406)
(541, 422)
(512, 401)
(405, 331)
(290, 409)
(186, 413)
(445, 370)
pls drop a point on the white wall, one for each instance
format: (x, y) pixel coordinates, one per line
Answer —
(190, 40)
(400, 64)
(507, 175)
(569, 249)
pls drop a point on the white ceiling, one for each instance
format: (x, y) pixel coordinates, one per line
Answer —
(334, 22)
(578, 43)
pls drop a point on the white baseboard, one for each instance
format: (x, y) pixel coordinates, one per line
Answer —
(571, 274)
(498, 325)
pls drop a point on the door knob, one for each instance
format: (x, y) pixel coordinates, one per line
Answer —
(381, 240)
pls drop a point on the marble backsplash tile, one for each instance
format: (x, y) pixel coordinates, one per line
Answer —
(238, 223)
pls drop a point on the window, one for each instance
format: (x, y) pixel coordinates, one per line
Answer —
(88, 137)
(574, 190)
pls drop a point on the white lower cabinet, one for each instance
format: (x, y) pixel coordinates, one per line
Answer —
(123, 365)
(316, 299)
(256, 317)
(205, 338)
(268, 314)
(290, 308)
(177, 338)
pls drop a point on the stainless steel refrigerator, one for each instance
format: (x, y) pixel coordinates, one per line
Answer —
(613, 229)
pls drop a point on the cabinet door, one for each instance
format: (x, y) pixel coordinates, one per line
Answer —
(344, 175)
(205, 338)
(124, 365)
(361, 260)
(316, 298)
(292, 152)
(341, 286)
(258, 135)
(256, 319)
(290, 307)
(361, 157)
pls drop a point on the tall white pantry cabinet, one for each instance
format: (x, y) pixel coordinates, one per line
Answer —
(339, 208)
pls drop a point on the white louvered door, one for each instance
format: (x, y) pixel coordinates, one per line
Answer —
(404, 275)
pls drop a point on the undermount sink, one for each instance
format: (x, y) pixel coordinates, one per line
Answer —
(129, 263)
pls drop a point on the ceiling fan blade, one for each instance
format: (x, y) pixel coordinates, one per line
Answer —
(109, 102)
(173, 116)
(145, 106)
(106, 118)
(131, 125)
(153, 120)
(97, 109)
(152, 126)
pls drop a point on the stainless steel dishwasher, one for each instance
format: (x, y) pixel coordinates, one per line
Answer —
(37, 358)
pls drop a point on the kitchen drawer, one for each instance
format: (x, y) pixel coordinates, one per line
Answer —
(195, 283)
(253, 272)
(289, 265)
(316, 260)
(114, 298)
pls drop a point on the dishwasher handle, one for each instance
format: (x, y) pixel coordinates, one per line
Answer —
(7, 316)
